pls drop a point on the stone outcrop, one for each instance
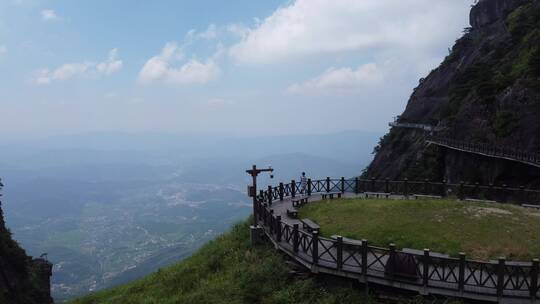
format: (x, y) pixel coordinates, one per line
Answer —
(489, 11)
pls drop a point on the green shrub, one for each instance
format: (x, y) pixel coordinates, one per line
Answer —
(505, 123)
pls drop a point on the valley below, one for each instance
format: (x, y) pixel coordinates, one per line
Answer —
(105, 215)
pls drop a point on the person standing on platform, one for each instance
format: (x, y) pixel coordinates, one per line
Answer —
(303, 183)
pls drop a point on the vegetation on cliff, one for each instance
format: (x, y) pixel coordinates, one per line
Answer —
(22, 280)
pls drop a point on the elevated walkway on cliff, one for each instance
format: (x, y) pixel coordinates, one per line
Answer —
(493, 151)
(408, 125)
(428, 128)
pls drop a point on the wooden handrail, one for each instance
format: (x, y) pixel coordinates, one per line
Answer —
(457, 277)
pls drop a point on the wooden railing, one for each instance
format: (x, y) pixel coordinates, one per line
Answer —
(424, 272)
(488, 150)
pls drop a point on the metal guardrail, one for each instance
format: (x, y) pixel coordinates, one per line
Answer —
(488, 150)
(424, 127)
(501, 280)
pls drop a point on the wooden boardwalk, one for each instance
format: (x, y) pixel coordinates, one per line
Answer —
(423, 272)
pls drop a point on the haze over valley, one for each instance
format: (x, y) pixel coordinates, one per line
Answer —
(109, 208)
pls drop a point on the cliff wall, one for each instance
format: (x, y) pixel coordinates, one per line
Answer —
(487, 90)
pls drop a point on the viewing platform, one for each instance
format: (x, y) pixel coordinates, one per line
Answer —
(412, 270)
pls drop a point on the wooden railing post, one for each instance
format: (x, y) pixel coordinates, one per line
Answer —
(293, 188)
(295, 238)
(443, 194)
(372, 184)
(461, 277)
(461, 192)
(271, 223)
(476, 193)
(342, 184)
(500, 276)
(270, 195)
(504, 193)
(278, 228)
(387, 185)
(426, 186)
(490, 194)
(356, 185)
(309, 185)
(328, 184)
(339, 255)
(365, 251)
(281, 191)
(406, 187)
(315, 247)
(425, 270)
(391, 269)
(534, 279)
(265, 215)
(260, 210)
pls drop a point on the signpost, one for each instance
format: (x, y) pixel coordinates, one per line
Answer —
(252, 190)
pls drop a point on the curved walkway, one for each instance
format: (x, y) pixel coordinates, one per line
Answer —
(423, 272)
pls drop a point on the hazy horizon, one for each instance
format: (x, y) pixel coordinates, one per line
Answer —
(243, 69)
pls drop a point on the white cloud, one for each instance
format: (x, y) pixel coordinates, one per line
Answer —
(307, 27)
(111, 65)
(210, 33)
(160, 68)
(48, 15)
(341, 79)
(238, 30)
(71, 70)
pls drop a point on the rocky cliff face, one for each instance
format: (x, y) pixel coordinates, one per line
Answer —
(22, 279)
(487, 90)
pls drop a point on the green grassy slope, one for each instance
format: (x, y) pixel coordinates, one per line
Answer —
(228, 270)
(481, 230)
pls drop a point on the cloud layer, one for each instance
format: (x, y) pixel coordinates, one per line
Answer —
(70, 70)
(307, 27)
(161, 68)
(341, 79)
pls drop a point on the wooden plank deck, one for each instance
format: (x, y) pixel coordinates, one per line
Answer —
(443, 277)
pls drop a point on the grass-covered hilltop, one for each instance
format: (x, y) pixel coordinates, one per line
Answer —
(230, 270)
(481, 230)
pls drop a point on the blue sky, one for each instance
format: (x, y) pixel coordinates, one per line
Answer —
(219, 67)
